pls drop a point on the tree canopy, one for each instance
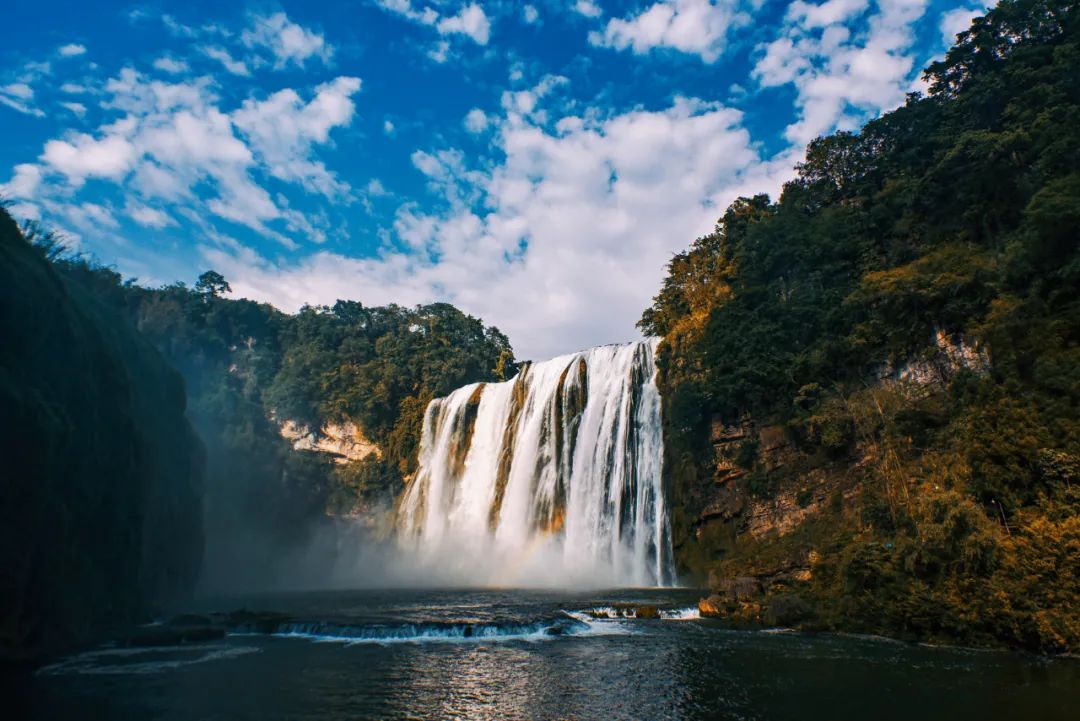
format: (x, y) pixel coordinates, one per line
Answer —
(955, 216)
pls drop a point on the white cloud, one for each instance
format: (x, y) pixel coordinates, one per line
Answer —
(288, 41)
(588, 8)
(841, 77)
(148, 217)
(71, 50)
(440, 53)
(24, 182)
(73, 88)
(476, 121)
(956, 21)
(25, 211)
(21, 91)
(171, 65)
(404, 8)
(77, 108)
(174, 151)
(470, 19)
(282, 130)
(90, 217)
(521, 242)
(388, 127)
(19, 95)
(697, 27)
(827, 13)
(82, 156)
(530, 14)
(236, 67)
(99, 214)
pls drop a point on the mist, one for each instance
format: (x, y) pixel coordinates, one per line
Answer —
(349, 554)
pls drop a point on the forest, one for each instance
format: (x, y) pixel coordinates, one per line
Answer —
(905, 319)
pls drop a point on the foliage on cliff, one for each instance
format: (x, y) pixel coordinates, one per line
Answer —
(249, 367)
(100, 497)
(954, 216)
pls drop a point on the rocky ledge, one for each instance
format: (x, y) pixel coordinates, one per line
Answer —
(747, 600)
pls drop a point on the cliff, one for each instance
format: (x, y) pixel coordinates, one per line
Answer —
(100, 500)
(872, 385)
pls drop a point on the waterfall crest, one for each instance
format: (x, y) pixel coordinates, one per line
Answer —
(550, 478)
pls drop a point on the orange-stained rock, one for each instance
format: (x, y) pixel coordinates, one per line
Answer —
(711, 607)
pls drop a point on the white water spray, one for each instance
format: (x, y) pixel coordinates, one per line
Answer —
(550, 478)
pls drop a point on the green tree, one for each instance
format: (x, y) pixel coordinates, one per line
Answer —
(212, 283)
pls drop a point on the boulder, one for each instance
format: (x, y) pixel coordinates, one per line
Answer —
(739, 588)
(712, 607)
(646, 612)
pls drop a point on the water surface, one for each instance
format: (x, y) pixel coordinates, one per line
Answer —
(536, 655)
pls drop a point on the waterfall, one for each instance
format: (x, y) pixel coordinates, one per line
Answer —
(550, 478)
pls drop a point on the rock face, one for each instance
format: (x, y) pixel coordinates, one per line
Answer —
(742, 516)
(101, 490)
(345, 442)
(780, 512)
(947, 356)
(711, 607)
(766, 487)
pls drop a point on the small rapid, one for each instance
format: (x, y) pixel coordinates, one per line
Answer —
(566, 624)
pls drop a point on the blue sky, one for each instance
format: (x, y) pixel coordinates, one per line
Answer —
(535, 164)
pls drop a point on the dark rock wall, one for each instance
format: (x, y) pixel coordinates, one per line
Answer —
(100, 471)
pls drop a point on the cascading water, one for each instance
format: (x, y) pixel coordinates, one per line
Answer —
(550, 478)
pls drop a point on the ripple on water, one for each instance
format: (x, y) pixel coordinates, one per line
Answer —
(149, 660)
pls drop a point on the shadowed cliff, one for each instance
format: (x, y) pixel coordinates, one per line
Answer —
(101, 482)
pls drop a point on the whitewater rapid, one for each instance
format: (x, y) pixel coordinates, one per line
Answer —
(550, 478)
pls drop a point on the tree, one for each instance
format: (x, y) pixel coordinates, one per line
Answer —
(212, 283)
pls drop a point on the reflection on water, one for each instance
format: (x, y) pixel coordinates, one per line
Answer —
(601, 669)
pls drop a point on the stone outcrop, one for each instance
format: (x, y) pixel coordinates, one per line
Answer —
(805, 493)
(727, 441)
(947, 356)
(345, 442)
(765, 486)
(626, 610)
(733, 598)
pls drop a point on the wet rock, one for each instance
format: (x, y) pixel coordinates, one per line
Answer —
(646, 612)
(737, 599)
(739, 588)
(712, 607)
(627, 610)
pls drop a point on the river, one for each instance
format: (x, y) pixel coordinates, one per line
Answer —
(537, 655)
